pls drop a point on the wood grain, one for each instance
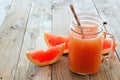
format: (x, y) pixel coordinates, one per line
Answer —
(107, 14)
(60, 26)
(22, 24)
(39, 21)
(110, 13)
(11, 33)
(4, 8)
(60, 18)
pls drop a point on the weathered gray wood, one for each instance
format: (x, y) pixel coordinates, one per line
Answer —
(109, 13)
(84, 6)
(60, 70)
(116, 15)
(116, 3)
(11, 37)
(60, 17)
(39, 21)
(4, 8)
(23, 23)
(60, 25)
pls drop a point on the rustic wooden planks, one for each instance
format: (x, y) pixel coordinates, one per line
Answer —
(4, 8)
(11, 37)
(60, 25)
(111, 13)
(22, 24)
(39, 21)
(60, 17)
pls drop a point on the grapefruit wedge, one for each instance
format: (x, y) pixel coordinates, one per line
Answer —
(107, 46)
(53, 40)
(46, 57)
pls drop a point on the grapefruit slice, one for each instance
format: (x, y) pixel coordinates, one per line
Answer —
(107, 45)
(53, 40)
(46, 57)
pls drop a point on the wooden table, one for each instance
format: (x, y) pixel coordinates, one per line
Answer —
(22, 23)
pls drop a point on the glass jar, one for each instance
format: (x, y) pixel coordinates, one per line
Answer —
(86, 44)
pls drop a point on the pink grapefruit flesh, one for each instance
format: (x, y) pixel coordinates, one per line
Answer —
(53, 40)
(46, 57)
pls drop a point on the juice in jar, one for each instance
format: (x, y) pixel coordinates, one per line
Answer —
(85, 50)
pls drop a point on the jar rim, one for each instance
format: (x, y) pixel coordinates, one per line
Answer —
(87, 34)
(91, 18)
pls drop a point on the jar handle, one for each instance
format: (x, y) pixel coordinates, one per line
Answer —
(108, 46)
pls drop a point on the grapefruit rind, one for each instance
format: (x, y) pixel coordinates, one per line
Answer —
(47, 34)
(54, 60)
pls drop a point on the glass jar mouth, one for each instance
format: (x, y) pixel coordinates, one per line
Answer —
(88, 21)
(87, 34)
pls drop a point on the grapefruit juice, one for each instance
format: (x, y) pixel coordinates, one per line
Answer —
(85, 49)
